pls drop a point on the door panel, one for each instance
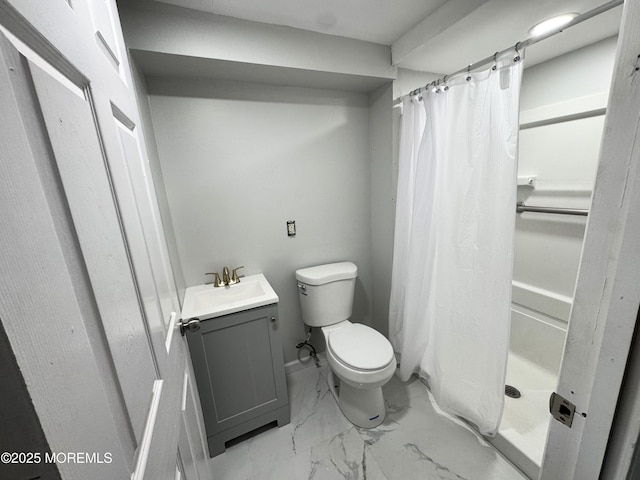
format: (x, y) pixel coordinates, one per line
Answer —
(46, 305)
(86, 249)
(76, 148)
(135, 179)
(104, 31)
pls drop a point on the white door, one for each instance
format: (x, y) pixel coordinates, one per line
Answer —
(86, 291)
(607, 293)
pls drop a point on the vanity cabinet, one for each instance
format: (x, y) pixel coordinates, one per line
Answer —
(239, 370)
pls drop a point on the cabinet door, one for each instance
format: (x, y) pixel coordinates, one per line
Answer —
(239, 367)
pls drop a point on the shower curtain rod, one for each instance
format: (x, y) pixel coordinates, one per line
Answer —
(523, 44)
(521, 207)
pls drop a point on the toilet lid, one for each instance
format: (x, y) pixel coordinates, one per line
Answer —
(361, 347)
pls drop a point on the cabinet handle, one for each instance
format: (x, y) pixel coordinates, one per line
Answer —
(273, 319)
(193, 325)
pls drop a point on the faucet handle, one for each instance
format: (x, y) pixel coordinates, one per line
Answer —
(234, 276)
(216, 279)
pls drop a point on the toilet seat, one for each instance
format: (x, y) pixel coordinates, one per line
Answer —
(360, 347)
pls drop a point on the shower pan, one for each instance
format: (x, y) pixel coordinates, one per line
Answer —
(535, 352)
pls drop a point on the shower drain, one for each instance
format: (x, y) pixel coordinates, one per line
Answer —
(511, 391)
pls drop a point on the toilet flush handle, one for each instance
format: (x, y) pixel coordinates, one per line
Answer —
(302, 288)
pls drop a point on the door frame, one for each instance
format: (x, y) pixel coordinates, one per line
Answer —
(607, 296)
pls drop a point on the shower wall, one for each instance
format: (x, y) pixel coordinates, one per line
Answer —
(561, 121)
(562, 116)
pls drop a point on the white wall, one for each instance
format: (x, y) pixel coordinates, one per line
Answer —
(239, 160)
(383, 191)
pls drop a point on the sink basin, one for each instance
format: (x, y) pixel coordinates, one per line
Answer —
(207, 301)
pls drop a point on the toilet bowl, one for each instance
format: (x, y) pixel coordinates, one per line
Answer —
(359, 357)
(363, 361)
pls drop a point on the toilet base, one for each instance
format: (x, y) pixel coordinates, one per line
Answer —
(363, 407)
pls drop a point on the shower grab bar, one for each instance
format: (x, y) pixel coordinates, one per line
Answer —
(521, 207)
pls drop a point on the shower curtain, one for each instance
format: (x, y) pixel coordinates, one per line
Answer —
(453, 250)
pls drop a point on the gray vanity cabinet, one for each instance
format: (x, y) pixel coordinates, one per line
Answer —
(239, 370)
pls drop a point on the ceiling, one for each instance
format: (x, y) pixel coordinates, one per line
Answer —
(438, 36)
(378, 21)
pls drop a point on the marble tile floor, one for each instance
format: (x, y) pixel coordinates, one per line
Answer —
(414, 442)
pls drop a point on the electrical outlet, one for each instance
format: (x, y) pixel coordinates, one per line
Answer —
(291, 228)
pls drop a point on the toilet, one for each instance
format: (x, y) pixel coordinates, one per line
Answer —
(359, 356)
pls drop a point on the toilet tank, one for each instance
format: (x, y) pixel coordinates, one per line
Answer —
(326, 293)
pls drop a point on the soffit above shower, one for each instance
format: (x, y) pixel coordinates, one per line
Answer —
(169, 41)
(162, 65)
(427, 35)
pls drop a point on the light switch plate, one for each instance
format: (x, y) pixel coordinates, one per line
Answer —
(291, 228)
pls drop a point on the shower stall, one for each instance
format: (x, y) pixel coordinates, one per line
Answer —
(560, 134)
(563, 103)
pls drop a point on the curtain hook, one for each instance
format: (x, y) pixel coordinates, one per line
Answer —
(444, 80)
(517, 57)
(468, 73)
(495, 61)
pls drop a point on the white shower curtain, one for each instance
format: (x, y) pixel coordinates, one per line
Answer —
(453, 252)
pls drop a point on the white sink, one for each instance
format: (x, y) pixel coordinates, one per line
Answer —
(207, 301)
